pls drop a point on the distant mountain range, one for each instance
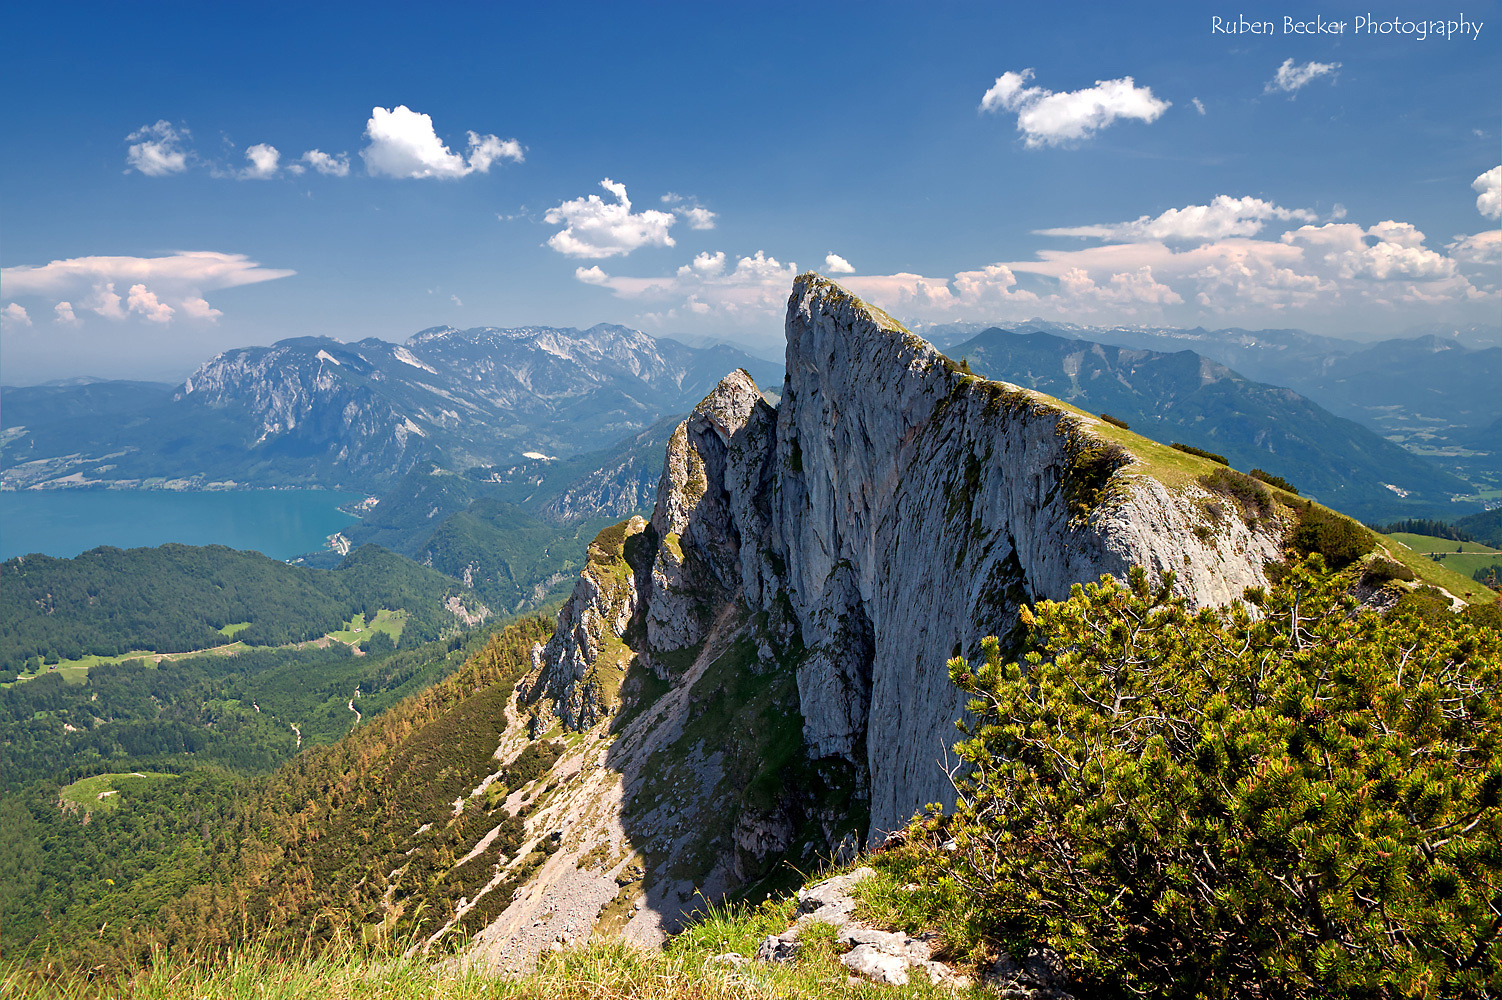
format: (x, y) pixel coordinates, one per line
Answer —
(1433, 391)
(316, 411)
(1184, 396)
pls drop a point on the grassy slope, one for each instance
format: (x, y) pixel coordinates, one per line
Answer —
(181, 598)
(77, 671)
(358, 630)
(102, 791)
(597, 970)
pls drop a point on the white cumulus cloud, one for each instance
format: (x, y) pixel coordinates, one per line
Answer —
(14, 315)
(1488, 188)
(1224, 216)
(145, 303)
(698, 218)
(64, 313)
(688, 207)
(485, 150)
(1123, 289)
(1290, 78)
(1342, 274)
(704, 265)
(1198, 104)
(594, 227)
(105, 302)
(835, 264)
(264, 161)
(404, 144)
(199, 309)
(1046, 118)
(157, 150)
(592, 275)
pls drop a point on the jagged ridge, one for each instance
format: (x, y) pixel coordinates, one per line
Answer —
(891, 511)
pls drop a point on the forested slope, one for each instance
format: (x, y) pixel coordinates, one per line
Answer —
(175, 598)
(206, 855)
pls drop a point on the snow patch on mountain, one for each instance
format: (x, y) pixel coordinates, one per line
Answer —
(406, 357)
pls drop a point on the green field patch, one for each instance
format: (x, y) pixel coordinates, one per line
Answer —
(1440, 574)
(75, 671)
(1469, 563)
(232, 630)
(1429, 545)
(102, 791)
(357, 629)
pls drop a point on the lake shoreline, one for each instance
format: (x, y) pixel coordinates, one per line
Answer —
(280, 522)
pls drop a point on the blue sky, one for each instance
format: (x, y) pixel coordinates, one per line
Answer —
(980, 162)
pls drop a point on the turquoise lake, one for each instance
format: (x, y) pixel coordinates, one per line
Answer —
(278, 523)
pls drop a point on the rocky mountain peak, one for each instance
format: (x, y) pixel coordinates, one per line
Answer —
(891, 511)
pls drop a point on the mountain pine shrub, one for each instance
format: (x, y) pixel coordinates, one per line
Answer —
(1190, 449)
(1380, 571)
(1301, 801)
(1272, 480)
(1340, 540)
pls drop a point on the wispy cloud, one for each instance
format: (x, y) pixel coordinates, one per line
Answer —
(689, 209)
(1291, 78)
(157, 150)
(159, 289)
(1224, 216)
(707, 287)
(327, 164)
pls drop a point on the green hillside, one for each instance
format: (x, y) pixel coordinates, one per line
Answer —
(177, 598)
(1485, 527)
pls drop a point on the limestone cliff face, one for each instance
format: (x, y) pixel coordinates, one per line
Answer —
(889, 513)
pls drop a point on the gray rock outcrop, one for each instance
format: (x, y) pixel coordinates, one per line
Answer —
(890, 512)
(882, 956)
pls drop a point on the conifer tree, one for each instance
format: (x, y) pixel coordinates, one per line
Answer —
(1295, 798)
